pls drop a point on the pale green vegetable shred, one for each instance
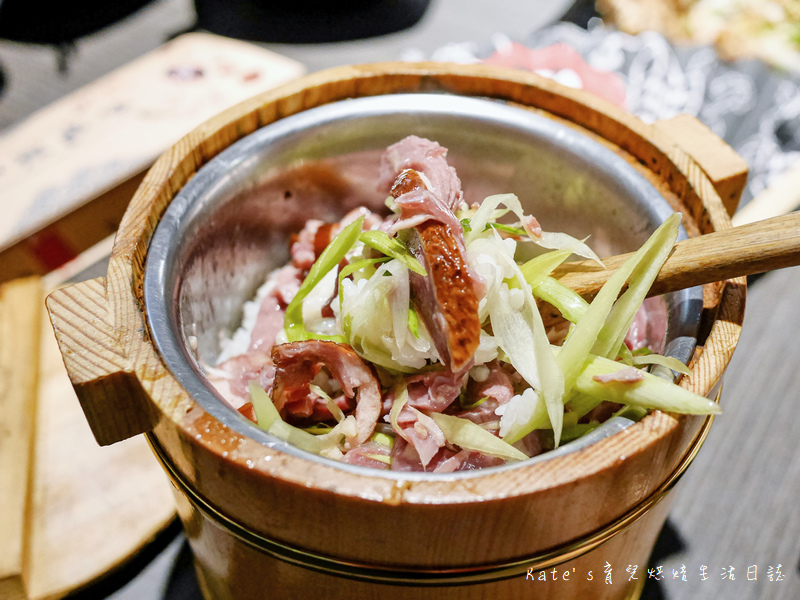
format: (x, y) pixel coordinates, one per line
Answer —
(562, 378)
(468, 435)
(380, 241)
(329, 259)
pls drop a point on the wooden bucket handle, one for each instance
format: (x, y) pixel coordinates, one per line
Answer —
(113, 399)
(726, 170)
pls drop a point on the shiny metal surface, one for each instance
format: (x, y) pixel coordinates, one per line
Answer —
(230, 225)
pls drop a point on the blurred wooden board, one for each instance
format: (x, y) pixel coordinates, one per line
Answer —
(780, 198)
(72, 167)
(20, 331)
(90, 509)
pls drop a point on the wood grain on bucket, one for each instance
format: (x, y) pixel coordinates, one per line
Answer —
(480, 520)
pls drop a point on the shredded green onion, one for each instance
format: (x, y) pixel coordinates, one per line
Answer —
(652, 392)
(471, 405)
(383, 439)
(329, 259)
(522, 336)
(332, 406)
(391, 246)
(537, 269)
(573, 432)
(270, 421)
(379, 356)
(486, 213)
(318, 429)
(400, 400)
(634, 413)
(354, 267)
(593, 327)
(580, 404)
(266, 413)
(651, 358)
(640, 270)
(568, 302)
(518, 231)
(413, 321)
(468, 435)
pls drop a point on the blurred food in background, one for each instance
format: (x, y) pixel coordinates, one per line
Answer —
(765, 29)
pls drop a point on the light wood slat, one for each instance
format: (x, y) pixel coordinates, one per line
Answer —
(91, 508)
(103, 376)
(726, 169)
(20, 326)
(781, 197)
(73, 166)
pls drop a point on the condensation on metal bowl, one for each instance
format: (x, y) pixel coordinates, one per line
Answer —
(230, 225)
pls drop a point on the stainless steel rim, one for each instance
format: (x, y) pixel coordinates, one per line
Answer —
(159, 287)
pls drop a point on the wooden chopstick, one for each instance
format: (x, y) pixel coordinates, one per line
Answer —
(754, 248)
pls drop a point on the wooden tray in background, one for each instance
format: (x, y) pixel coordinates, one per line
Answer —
(90, 509)
(72, 167)
(70, 510)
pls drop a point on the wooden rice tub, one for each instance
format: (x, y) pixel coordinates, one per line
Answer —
(266, 523)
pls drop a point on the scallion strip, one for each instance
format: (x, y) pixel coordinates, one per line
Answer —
(266, 413)
(391, 246)
(537, 269)
(400, 400)
(590, 329)
(573, 432)
(640, 360)
(383, 439)
(568, 302)
(470, 436)
(652, 392)
(472, 405)
(413, 321)
(510, 229)
(329, 403)
(329, 259)
(354, 267)
(640, 274)
(269, 420)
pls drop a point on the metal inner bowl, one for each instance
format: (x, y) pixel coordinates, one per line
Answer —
(231, 224)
